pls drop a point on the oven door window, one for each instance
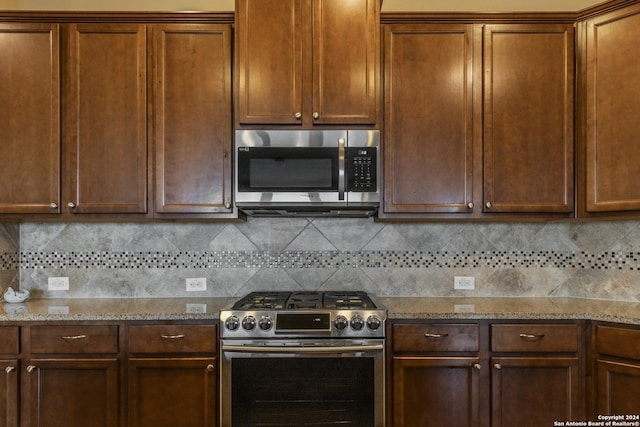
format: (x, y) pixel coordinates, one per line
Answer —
(312, 169)
(309, 391)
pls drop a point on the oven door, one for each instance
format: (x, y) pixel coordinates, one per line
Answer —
(303, 383)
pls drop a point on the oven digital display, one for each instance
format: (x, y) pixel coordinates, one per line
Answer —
(312, 322)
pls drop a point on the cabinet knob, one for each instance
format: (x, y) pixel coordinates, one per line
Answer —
(497, 366)
(9, 369)
(71, 205)
(53, 205)
(476, 366)
(488, 205)
(31, 368)
(470, 205)
(298, 116)
(210, 367)
(227, 205)
(316, 115)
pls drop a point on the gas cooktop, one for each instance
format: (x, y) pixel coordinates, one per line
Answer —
(304, 314)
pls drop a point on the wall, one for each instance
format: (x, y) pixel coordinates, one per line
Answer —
(9, 238)
(598, 260)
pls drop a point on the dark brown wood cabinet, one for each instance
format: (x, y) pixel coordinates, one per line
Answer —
(616, 367)
(612, 86)
(9, 375)
(172, 376)
(307, 62)
(428, 150)
(106, 126)
(71, 378)
(478, 120)
(486, 373)
(30, 125)
(192, 119)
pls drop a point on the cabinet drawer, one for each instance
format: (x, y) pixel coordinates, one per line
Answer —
(432, 337)
(618, 342)
(74, 339)
(172, 339)
(9, 340)
(534, 338)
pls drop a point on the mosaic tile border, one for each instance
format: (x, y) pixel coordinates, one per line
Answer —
(320, 259)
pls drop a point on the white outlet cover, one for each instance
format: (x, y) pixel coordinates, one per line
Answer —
(466, 283)
(58, 283)
(198, 284)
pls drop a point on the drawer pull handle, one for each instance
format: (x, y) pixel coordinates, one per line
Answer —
(210, 367)
(9, 369)
(31, 368)
(435, 336)
(74, 337)
(497, 366)
(172, 337)
(531, 337)
(476, 366)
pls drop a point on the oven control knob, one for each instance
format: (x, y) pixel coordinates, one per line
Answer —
(249, 323)
(373, 322)
(340, 322)
(357, 322)
(265, 323)
(232, 323)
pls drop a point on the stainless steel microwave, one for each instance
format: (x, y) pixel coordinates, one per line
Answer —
(307, 172)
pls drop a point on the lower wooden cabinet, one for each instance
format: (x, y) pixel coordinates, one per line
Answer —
(9, 375)
(486, 373)
(616, 367)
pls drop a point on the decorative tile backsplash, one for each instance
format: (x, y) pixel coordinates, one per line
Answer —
(597, 260)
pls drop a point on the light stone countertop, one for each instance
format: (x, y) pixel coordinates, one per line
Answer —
(455, 308)
(511, 308)
(115, 309)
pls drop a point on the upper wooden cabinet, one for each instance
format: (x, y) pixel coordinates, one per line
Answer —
(428, 118)
(192, 120)
(612, 148)
(307, 62)
(30, 125)
(528, 118)
(107, 118)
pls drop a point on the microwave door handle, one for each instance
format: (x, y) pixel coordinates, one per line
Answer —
(341, 183)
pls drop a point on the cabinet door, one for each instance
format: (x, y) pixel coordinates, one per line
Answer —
(172, 392)
(613, 90)
(270, 35)
(192, 81)
(30, 125)
(528, 118)
(71, 393)
(345, 61)
(617, 388)
(435, 391)
(535, 391)
(428, 131)
(9, 393)
(107, 140)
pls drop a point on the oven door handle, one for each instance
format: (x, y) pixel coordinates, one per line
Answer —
(295, 349)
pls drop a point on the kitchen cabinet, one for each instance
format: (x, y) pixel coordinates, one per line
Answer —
(307, 62)
(71, 376)
(478, 120)
(486, 373)
(429, 141)
(436, 374)
(611, 148)
(9, 372)
(616, 365)
(192, 120)
(536, 366)
(107, 119)
(30, 111)
(172, 371)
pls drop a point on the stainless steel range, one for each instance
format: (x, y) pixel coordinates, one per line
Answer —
(303, 358)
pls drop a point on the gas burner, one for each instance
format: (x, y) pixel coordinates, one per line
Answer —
(348, 300)
(262, 301)
(304, 300)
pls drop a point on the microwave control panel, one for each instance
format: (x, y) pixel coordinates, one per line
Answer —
(361, 169)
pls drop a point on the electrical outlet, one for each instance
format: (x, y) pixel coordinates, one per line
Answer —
(58, 283)
(467, 283)
(196, 285)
